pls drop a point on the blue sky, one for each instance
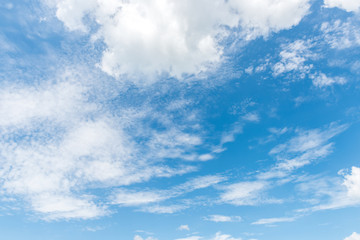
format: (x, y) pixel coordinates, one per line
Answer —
(180, 120)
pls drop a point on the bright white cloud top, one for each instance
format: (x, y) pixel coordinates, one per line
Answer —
(183, 120)
(174, 37)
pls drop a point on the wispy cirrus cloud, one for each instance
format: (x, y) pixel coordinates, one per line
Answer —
(218, 236)
(223, 218)
(137, 198)
(338, 194)
(302, 150)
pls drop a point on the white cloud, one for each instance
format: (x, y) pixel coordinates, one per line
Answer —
(302, 150)
(270, 221)
(222, 218)
(244, 193)
(136, 198)
(138, 237)
(57, 144)
(354, 236)
(124, 197)
(172, 36)
(352, 183)
(341, 34)
(190, 238)
(347, 5)
(220, 236)
(334, 193)
(260, 17)
(251, 117)
(321, 80)
(184, 227)
(158, 209)
(293, 58)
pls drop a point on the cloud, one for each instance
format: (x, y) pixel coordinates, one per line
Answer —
(251, 117)
(270, 221)
(220, 236)
(293, 57)
(347, 195)
(190, 238)
(184, 227)
(321, 80)
(222, 218)
(58, 144)
(334, 193)
(347, 5)
(261, 17)
(301, 150)
(341, 34)
(138, 237)
(124, 197)
(352, 183)
(354, 236)
(244, 193)
(167, 36)
(158, 209)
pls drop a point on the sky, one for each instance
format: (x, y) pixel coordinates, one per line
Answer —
(180, 120)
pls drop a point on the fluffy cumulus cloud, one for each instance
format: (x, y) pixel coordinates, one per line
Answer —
(221, 236)
(347, 5)
(354, 236)
(352, 184)
(175, 37)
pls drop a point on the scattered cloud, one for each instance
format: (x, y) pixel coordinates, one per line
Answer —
(293, 57)
(301, 150)
(347, 5)
(184, 228)
(222, 218)
(271, 221)
(344, 195)
(57, 144)
(341, 34)
(321, 80)
(138, 237)
(190, 238)
(170, 36)
(251, 117)
(354, 236)
(124, 197)
(245, 193)
(220, 236)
